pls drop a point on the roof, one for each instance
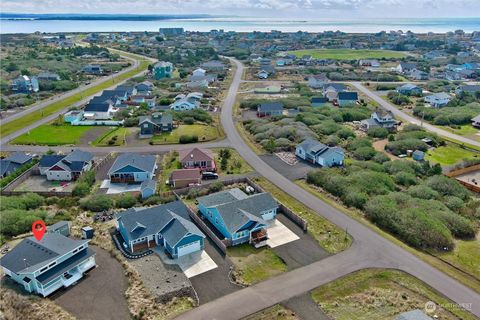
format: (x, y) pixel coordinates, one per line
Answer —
(195, 154)
(408, 86)
(440, 95)
(270, 106)
(413, 315)
(97, 107)
(348, 96)
(148, 184)
(143, 162)
(19, 157)
(142, 222)
(335, 86)
(237, 208)
(49, 160)
(78, 156)
(31, 254)
(162, 64)
(186, 174)
(476, 119)
(317, 148)
(469, 88)
(318, 100)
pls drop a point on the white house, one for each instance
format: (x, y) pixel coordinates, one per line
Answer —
(199, 72)
(185, 104)
(438, 100)
(65, 168)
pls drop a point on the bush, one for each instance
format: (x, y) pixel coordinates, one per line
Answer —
(422, 192)
(356, 199)
(364, 153)
(188, 120)
(380, 158)
(126, 200)
(155, 200)
(27, 201)
(378, 133)
(188, 139)
(453, 203)
(18, 221)
(193, 194)
(81, 189)
(448, 187)
(97, 203)
(405, 179)
(215, 187)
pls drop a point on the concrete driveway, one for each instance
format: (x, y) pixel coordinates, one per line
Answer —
(115, 188)
(196, 263)
(279, 234)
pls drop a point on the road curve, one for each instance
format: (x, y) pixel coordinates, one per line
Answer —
(369, 250)
(390, 107)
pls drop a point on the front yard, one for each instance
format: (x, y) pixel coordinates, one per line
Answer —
(202, 132)
(254, 265)
(52, 135)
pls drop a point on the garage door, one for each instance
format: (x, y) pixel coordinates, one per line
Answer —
(189, 248)
(268, 216)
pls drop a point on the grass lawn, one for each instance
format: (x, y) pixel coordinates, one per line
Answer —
(119, 132)
(175, 307)
(255, 265)
(51, 135)
(204, 133)
(465, 256)
(450, 154)
(461, 275)
(235, 164)
(30, 118)
(278, 312)
(348, 54)
(464, 130)
(328, 236)
(373, 294)
(169, 163)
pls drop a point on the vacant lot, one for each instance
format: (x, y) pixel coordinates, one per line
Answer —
(51, 135)
(450, 154)
(380, 294)
(115, 137)
(203, 132)
(348, 54)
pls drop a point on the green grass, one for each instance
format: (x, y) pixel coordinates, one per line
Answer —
(277, 312)
(32, 117)
(457, 272)
(450, 154)
(119, 132)
(348, 54)
(255, 265)
(170, 162)
(51, 135)
(465, 255)
(328, 236)
(235, 164)
(464, 130)
(377, 294)
(204, 133)
(174, 308)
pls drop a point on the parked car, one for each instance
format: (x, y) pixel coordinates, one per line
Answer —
(209, 175)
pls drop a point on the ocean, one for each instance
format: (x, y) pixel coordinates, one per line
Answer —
(419, 25)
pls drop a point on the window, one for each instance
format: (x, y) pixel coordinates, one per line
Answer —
(43, 269)
(216, 220)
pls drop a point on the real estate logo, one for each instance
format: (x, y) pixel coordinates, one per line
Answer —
(38, 229)
(430, 307)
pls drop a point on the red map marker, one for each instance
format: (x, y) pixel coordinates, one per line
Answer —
(38, 229)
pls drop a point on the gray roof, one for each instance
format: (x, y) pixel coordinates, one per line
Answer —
(58, 225)
(317, 148)
(469, 88)
(19, 157)
(171, 220)
(49, 160)
(148, 184)
(237, 208)
(476, 119)
(30, 254)
(78, 156)
(270, 106)
(413, 315)
(408, 86)
(142, 162)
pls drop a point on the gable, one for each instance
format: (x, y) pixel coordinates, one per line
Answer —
(56, 168)
(128, 169)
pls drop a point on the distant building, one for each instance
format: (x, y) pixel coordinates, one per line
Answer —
(162, 70)
(44, 266)
(472, 89)
(213, 65)
(25, 84)
(347, 98)
(318, 101)
(13, 162)
(369, 63)
(379, 119)
(182, 178)
(132, 168)
(316, 152)
(317, 81)
(409, 89)
(476, 121)
(65, 168)
(94, 69)
(171, 31)
(404, 67)
(197, 158)
(268, 109)
(48, 76)
(331, 90)
(438, 100)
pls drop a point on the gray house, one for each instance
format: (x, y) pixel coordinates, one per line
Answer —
(13, 162)
(270, 109)
(45, 266)
(379, 119)
(156, 123)
(318, 153)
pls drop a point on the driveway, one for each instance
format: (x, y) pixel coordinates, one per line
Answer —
(192, 264)
(279, 234)
(116, 188)
(100, 294)
(291, 172)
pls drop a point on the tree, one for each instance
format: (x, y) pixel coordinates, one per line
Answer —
(270, 146)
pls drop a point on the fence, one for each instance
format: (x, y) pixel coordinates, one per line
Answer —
(466, 184)
(294, 217)
(97, 166)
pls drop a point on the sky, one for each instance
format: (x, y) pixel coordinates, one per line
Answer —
(291, 9)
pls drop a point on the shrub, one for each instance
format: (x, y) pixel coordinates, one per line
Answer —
(405, 179)
(96, 203)
(18, 221)
(24, 202)
(453, 203)
(447, 187)
(422, 192)
(126, 200)
(356, 199)
(215, 187)
(364, 153)
(380, 158)
(81, 189)
(378, 133)
(193, 193)
(188, 120)
(188, 139)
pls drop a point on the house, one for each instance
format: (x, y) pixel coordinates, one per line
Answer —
(318, 101)
(476, 121)
(315, 152)
(435, 54)
(413, 315)
(472, 89)
(197, 158)
(213, 65)
(267, 109)
(162, 70)
(418, 75)
(262, 74)
(65, 168)
(409, 89)
(166, 227)
(239, 217)
(347, 98)
(148, 188)
(418, 155)
(48, 76)
(199, 72)
(99, 111)
(331, 90)
(145, 87)
(182, 178)
(61, 227)
(317, 81)
(132, 168)
(94, 69)
(379, 119)
(438, 100)
(73, 116)
(198, 84)
(147, 99)
(156, 123)
(25, 84)
(44, 266)
(186, 103)
(13, 162)
(404, 67)
(369, 63)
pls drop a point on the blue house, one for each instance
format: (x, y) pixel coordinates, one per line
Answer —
(25, 84)
(318, 101)
(44, 266)
(156, 123)
(167, 226)
(13, 162)
(239, 217)
(347, 98)
(148, 188)
(133, 168)
(409, 90)
(268, 109)
(315, 152)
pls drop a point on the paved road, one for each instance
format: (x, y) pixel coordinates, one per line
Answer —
(368, 250)
(6, 139)
(388, 106)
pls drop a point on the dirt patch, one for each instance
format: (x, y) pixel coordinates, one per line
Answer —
(91, 135)
(379, 146)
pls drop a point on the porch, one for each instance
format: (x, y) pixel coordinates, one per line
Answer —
(258, 238)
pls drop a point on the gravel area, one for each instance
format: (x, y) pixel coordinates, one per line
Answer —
(160, 278)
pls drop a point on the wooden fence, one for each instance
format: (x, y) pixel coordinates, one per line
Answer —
(466, 184)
